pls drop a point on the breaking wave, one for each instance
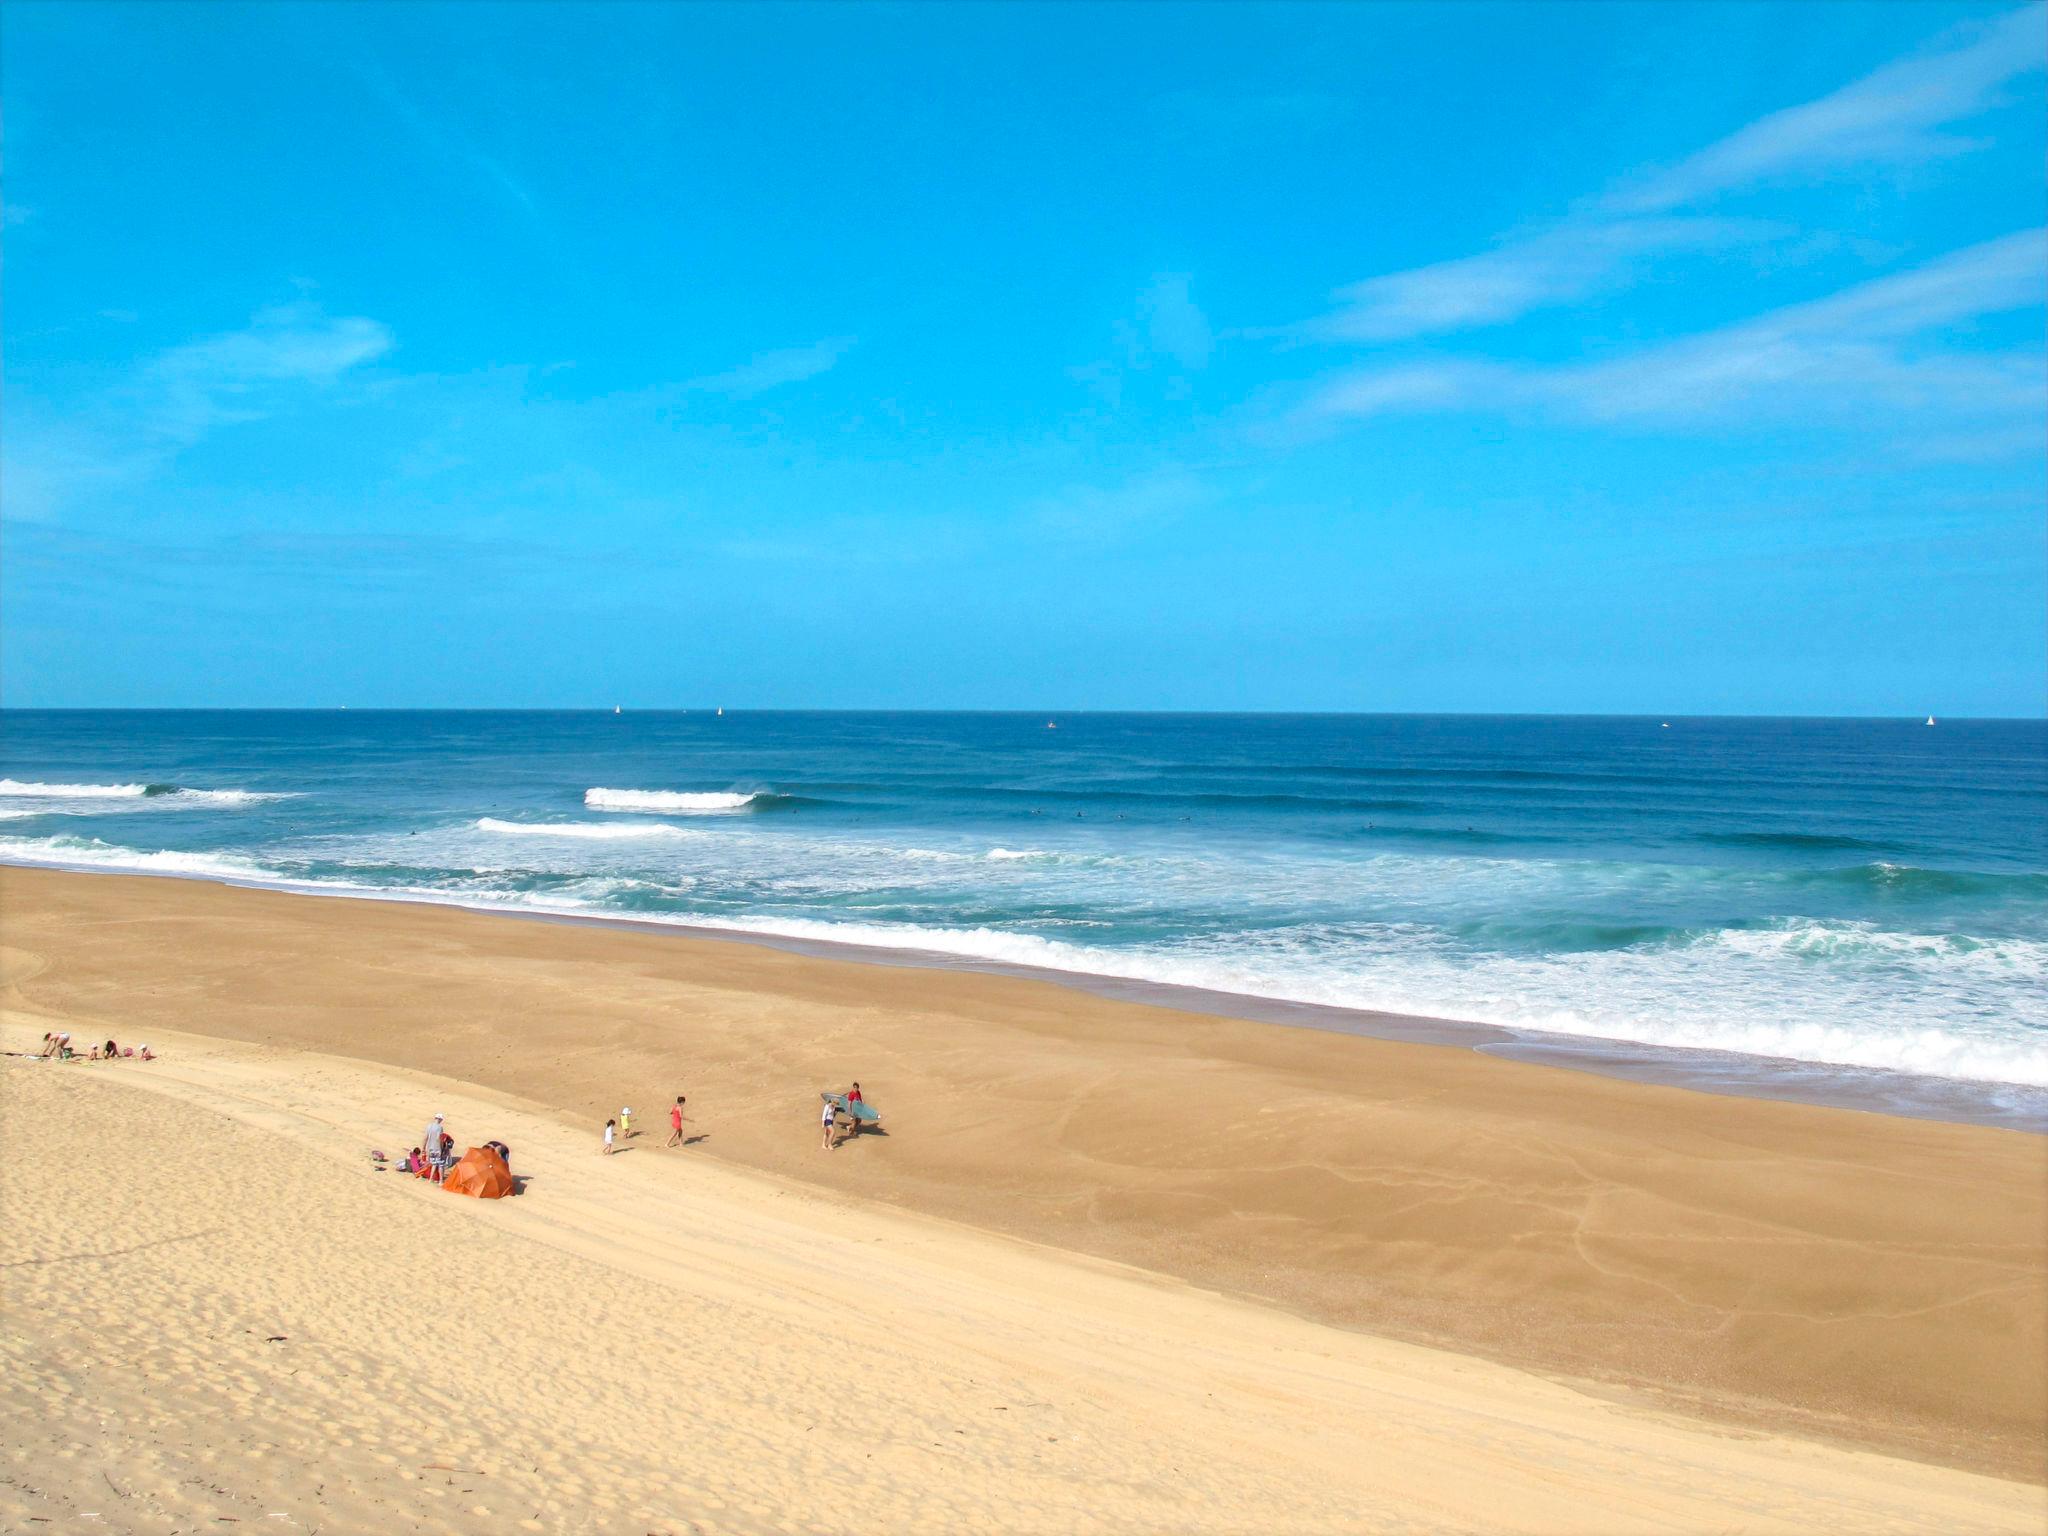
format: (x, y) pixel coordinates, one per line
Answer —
(174, 793)
(676, 802)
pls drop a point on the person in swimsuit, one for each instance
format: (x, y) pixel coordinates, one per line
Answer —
(829, 1122)
(675, 1124)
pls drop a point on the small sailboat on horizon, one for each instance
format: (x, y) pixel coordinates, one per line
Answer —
(1930, 719)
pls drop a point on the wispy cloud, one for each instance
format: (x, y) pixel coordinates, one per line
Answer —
(1558, 266)
(242, 375)
(1867, 345)
(1880, 344)
(287, 357)
(771, 370)
(1897, 113)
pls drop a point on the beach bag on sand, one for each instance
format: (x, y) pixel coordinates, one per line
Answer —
(481, 1173)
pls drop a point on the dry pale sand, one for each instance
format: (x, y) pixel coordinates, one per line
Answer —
(1803, 1271)
(216, 1312)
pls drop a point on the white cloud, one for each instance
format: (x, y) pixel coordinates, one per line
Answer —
(246, 374)
(282, 360)
(1852, 349)
(1893, 114)
(1879, 345)
(769, 370)
(1556, 267)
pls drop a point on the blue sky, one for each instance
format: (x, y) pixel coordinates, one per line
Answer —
(1552, 358)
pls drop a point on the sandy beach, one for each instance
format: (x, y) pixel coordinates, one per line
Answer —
(1112, 1266)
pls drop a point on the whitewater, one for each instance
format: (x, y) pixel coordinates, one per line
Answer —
(1841, 894)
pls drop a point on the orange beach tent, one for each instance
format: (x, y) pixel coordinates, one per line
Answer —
(481, 1173)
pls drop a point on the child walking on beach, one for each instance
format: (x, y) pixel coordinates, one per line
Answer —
(675, 1124)
(610, 1126)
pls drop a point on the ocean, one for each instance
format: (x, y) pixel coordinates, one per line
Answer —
(1868, 897)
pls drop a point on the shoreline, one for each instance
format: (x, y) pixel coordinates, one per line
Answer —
(1873, 1090)
(1860, 1279)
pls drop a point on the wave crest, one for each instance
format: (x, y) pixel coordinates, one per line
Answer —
(176, 793)
(673, 802)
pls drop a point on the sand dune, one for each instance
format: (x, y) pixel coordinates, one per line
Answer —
(217, 1311)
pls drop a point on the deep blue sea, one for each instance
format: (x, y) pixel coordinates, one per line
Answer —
(1864, 894)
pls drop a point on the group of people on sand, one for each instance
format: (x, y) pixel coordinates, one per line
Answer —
(621, 1129)
(839, 1121)
(435, 1154)
(57, 1047)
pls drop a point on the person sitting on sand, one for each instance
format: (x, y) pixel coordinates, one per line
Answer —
(676, 1117)
(504, 1153)
(415, 1163)
(144, 1053)
(610, 1130)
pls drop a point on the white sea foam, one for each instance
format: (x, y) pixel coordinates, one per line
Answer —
(164, 795)
(669, 802)
(74, 791)
(1845, 993)
(592, 831)
(91, 853)
(1523, 995)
